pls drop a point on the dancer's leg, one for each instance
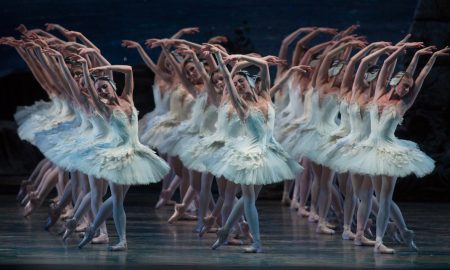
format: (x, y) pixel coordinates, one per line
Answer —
(384, 186)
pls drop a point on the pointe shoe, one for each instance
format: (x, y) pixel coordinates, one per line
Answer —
(53, 216)
(28, 209)
(254, 248)
(179, 211)
(121, 246)
(208, 222)
(88, 236)
(101, 239)
(222, 236)
(163, 199)
(313, 218)
(408, 239)
(361, 240)
(348, 235)
(302, 212)
(323, 229)
(71, 225)
(382, 249)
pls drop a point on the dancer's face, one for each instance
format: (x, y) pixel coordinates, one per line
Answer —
(242, 85)
(77, 74)
(168, 65)
(218, 81)
(191, 73)
(105, 90)
(403, 87)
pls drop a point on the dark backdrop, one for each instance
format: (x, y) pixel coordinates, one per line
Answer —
(251, 26)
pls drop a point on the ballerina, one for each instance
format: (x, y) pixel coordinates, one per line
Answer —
(245, 159)
(393, 157)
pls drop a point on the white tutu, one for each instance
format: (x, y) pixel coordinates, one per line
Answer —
(180, 107)
(161, 107)
(384, 154)
(106, 148)
(254, 158)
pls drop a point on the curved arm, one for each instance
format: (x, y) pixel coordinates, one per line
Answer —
(150, 64)
(128, 89)
(35, 70)
(411, 98)
(71, 84)
(239, 66)
(363, 66)
(184, 81)
(87, 42)
(41, 33)
(312, 51)
(97, 104)
(299, 51)
(286, 76)
(52, 73)
(264, 70)
(238, 103)
(62, 31)
(212, 95)
(347, 80)
(283, 53)
(387, 68)
(322, 74)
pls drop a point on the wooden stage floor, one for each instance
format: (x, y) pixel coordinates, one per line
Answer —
(289, 242)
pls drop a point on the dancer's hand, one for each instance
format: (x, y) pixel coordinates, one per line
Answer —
(381, 44)
(77, 58)
(444, 52)
(426, 50)
(326, 30)
(130, 44)
(218, 39)
(185, 50)
(86, 51)
(22, 29)
(301, 68)
(51, 52)
(415, 45)
(71, 34)
(190, 30)
(52, 26)
(270, 59)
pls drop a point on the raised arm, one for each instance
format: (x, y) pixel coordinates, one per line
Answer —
(127, 92)
(347, 80)
(178, 70)
(261, 63)
(322, 76)
(364, 65)
(238, 103)
(413, 64)
(83, 39)
(148, 61)
(300, 50)
(291, 72)
(283, 53)
(383, 76)
(411, 98)
(61, 30)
